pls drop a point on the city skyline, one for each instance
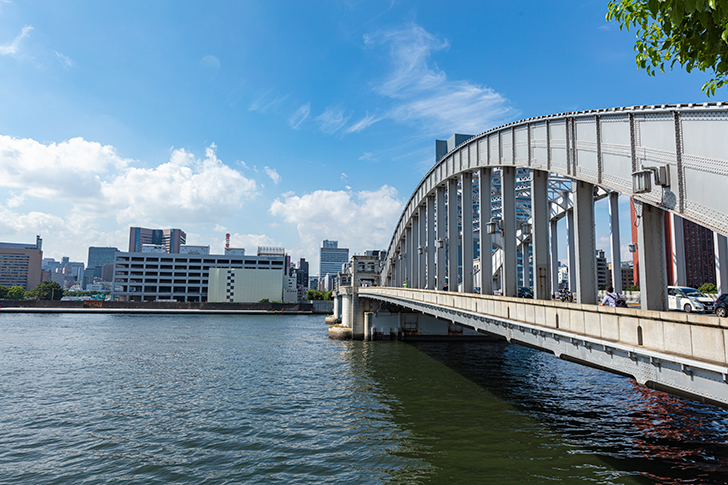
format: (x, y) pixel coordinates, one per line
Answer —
(284, 127)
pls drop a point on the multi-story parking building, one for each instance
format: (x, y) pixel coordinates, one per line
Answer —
(181, 277)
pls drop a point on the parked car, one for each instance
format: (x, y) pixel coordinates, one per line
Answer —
(688, 300)
(721, 305)
(525, 292)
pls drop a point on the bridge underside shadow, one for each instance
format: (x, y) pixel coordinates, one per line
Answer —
(622, 342)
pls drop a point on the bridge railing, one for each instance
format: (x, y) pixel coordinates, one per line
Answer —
(699, 337)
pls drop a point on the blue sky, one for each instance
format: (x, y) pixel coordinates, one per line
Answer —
(283, 123)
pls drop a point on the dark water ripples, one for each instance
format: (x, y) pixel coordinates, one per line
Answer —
(268, 399)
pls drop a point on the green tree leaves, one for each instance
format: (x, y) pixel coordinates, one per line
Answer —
(16, 293)
(47, 290)
(691, 33)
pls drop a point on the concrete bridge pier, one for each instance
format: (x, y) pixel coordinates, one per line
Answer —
(337, 308)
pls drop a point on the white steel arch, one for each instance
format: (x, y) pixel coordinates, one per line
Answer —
(603, 148)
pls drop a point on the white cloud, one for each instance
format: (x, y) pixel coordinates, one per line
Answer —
(331, 120)
(359, 221)
(364, 123)
(184, 189)
(15, 201)
(12, 47)
(251, 242)
(74, 188)
(65, 61)
(273, 174)
(424, 93)
(299, 116)
(69, 170)
(265, 103)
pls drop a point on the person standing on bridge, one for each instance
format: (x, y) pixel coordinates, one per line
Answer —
(612, 298)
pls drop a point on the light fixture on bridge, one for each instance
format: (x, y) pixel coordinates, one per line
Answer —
(526, 228)
(420, 250)
(439, 243)
(641, 181)
(493, 226)
(633, 248)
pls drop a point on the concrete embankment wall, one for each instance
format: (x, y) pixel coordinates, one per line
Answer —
(698, 337)
(46, 306)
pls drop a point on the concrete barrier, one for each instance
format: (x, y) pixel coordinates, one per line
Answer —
(699, 337)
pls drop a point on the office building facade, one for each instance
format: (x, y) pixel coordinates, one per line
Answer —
(171, 239)
(21, 264)
(97, 258)
(332, 257)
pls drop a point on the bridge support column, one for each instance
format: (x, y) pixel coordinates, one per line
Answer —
(677, 251)
(431, 264)
(452, 234)
(414, 252)
(508, 205)
(570, 245)
(554, 256)
(486, 244)
(615, 241)
(422, 249)
(441, 238)
(467, 229)
(540, 209)
(721, 262)
(651, 244)
(408, 257)
(401, 264)
(526, 266)
(586, 270)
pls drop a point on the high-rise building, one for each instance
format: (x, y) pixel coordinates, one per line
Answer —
(97, 258)
(697, 254)
(331, 258)
(302, 273)
(171, 239)
(602, 273)
(20, 264)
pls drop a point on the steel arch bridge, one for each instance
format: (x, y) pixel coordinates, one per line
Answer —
(561, 164)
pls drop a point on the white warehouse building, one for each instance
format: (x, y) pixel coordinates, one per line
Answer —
(186, 277)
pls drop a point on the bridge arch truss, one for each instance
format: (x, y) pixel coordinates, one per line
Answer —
(556, 166)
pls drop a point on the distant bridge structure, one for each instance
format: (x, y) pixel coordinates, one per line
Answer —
(504, 190)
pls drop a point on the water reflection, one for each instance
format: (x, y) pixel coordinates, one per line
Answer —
(654, 436)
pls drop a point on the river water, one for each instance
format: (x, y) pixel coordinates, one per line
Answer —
(99, 399)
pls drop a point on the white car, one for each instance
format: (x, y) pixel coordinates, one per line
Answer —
(688, 300)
